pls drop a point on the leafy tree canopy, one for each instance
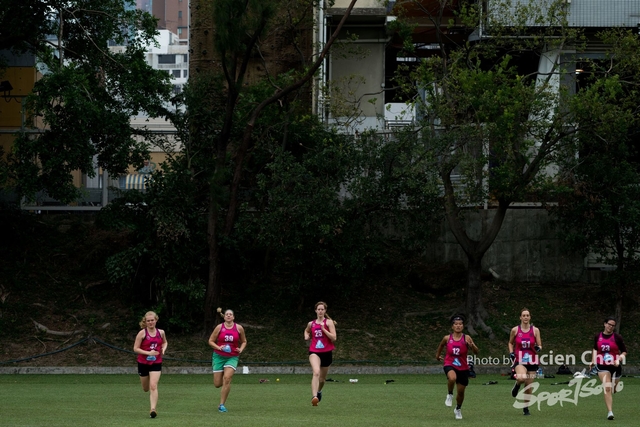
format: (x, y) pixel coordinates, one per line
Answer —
(491, 124)
(83, 103)
(599, 209)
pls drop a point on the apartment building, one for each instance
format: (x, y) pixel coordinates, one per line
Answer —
(355, 87)
(173, 15)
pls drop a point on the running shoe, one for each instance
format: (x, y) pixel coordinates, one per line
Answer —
(449, 400)
(458, 413)
(525, 411)
(221, 408)
(315, 401)
(153, 414)
(618, 387)
(610, 415)
(319, 396)
(515, 389)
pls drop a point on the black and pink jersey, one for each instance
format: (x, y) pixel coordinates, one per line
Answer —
(608, 348)
(525, 343)
(456, 355)
(151, 343)
(319, 341)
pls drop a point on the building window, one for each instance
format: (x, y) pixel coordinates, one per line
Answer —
(166, 59)
(185, 73)
(179, 14)
(185, 58)
(175, 73)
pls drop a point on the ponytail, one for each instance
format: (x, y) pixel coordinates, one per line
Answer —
(221, 313)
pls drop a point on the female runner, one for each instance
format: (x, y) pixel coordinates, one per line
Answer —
(524, 344)
(608, 353)
(150, 345)
(456, 366)
(322, 333)
(228, 342)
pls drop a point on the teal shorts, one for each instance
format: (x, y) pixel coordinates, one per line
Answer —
(219, 362)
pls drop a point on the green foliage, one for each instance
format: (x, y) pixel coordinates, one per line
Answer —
(484, 119)
(600, 211)
(490, 124)
(236, 23)
(331, 214)
(23, 24)
(87, 95)
(166, 258)
(319, 210)
(4, 170)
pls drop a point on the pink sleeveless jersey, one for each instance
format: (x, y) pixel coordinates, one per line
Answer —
(456, 355)
(319, 341)
(525, 347)
(150, 343)
(607, 349)
(228, 337)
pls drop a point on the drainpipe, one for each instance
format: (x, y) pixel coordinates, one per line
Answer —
(105, 188)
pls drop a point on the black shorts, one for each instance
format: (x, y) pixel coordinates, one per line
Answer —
(326, 358)
(144, 369)
(616, 371)
(530, 367)
(462, 377)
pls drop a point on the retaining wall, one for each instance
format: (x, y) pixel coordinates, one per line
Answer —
(526, 249)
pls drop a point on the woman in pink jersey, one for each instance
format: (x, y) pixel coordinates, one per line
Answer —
(524, 345)
(150, 345)
(228, 342)
(608, 353)
(456, 366)
(322, 333)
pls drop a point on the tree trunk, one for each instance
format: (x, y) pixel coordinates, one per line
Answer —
(212, 294)
(618, 311)
(621, 280)
(475, 250)
(201, 67)
(201, 51)
(475, 311)
(620, 274)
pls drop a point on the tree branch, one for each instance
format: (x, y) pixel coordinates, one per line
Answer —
(246, 138)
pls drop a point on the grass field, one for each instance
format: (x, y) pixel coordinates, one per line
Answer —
(191, 400)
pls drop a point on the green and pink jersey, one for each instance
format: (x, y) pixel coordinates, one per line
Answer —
(228, 340)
